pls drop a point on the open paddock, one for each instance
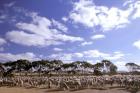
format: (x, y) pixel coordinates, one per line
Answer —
(36, 90)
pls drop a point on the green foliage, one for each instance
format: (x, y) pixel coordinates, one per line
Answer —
(132, 67)
(58, 67)
(97, 72)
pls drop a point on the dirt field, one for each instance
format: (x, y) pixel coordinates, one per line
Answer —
(34, 90)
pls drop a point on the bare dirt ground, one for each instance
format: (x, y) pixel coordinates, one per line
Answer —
(35, 90)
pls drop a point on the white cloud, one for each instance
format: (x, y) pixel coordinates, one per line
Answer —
(127, 2)
(137, 12)
(64, 19)
(64, 37)
(20, 37)
(2, 41)
(137, 44)
(91, 15)
(115, 56)
(121, 65)
(3, 16)
(13, 57)
(65, 57)
(99, 36)
(86, 43)
(58, 49)
(10, 4)
(40, 33)
(23, 38)
(91, 61)
(94, 54)
(59, 26)
(79, 55)
(88, 55)
(102, 55)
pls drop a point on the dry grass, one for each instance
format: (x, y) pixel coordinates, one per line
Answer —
(35, 90)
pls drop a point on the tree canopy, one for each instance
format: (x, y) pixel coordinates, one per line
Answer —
(55, 66)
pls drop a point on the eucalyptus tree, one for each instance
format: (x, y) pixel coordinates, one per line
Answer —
(69, 68)
(2, 70)
(10, 66)
(18, 66)
(113, 69)
(98, 68)
(106, 64)
(86, 67)
(109, 67)
(77, 65)
(132, 67)
(86, 64)
(56, 66)
(40, 66)
(22, 65)
(81, 66)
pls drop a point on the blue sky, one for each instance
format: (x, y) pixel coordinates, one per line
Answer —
(70, 30)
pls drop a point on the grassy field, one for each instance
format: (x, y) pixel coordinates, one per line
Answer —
(37, 90)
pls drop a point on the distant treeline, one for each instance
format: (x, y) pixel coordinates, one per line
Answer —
(50, 67)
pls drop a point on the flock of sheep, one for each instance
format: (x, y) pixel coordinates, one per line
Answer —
(72, 82)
